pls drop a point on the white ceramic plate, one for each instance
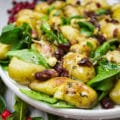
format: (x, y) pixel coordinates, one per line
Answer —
(96, 113)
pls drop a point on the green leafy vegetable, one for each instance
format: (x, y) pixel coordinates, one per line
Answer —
(52, 7)
(104, 48)
(104, 80)
(29, 56)
(2, 104)
(62, 104)
(51, 36)
(39, 96)
(67, 21)
(103, 76)
(21, 110)
(101, 11)
(86, 27)
(17, 37)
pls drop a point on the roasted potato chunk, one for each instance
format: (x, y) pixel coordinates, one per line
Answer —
(113, 56)
(55, 22)
(116, 11)
(23, 72)
(92, 5)
(115, 93)
(83, 73)
(70, 10)
(56, 12)
(58, 4)
(42, 7)
(70, 33)
(109, 28)
(74, 92)
(49, 86)
(85, 46)
(4, 48)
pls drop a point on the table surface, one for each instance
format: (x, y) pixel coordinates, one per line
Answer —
(9, 94)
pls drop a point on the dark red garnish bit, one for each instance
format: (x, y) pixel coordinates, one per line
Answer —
(95, 22)
(59, 53)
(112, 21)
(84, 62)
(46, 74)
(100, 38)
(107, 103)
(29, 118)
(61, 70)
(17, 6)
(50, 1)
(98, 5)
(115, 32)
(62, 50)
(78, 2)
(90, 14)
(5, 114)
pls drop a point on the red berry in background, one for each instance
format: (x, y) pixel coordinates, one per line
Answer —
(29, 118)
(17, 6)
(5, 114)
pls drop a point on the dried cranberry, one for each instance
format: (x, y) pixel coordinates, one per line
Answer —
(59, 53)
(78, 2)
(64, 73)
(84, 62)
(62, 50)
(107, 103)
(50, 1)
(94, 21)
(61, 70)
(64, 47)
(100, 38)
(90, 14)
(98, 5)
(115, 32)
(112, 21)
(46, 74)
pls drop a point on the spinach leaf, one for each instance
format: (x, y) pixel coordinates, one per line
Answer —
(21, 110)
(104, 48)
(105, 85)
(17, 37)
(52, 7)
(51, 36)
(86, 27)
(103, 76)
(39, 96)
(101, 11)
(29, 56)
(62, 104)
(102, 95)
(67, 21)
(104, 80)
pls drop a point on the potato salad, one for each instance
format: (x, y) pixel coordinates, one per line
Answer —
(67, 52)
